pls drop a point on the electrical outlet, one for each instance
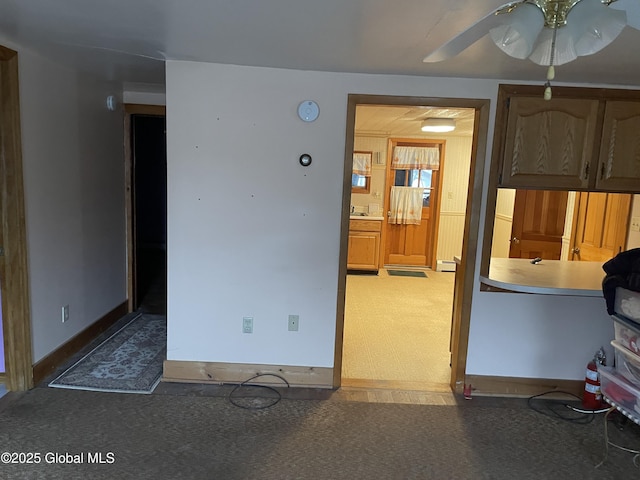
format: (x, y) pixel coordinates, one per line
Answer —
(635, 224)
(293, 322)
(247, 324)
(65, 313)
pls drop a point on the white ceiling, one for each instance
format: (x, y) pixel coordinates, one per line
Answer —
(405, 121)
(128, 40)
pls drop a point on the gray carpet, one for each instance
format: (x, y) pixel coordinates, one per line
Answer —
(197, 437)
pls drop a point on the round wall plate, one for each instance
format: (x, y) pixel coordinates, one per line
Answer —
(308, 111)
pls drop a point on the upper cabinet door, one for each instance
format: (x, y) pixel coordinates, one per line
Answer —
(549, 144)
(619, 165)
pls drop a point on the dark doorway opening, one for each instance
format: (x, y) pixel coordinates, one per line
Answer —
(149, 172)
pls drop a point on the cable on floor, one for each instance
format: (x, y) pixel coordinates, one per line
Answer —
(255, 401)
(608, 442)
(559, 408)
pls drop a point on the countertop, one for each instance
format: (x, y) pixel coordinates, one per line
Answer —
(549, 277)
(365, 217)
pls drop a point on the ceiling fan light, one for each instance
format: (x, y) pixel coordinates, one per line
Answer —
(516, 36)
(438, 125)
(564, 51)
(595, 25)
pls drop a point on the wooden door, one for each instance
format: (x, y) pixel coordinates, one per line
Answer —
(538, 224)
(600, 226)
(412, 244)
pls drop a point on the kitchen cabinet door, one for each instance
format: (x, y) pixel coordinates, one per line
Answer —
(619, 165)
(549, 144)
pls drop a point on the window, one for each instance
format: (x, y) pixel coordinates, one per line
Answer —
(361, 176)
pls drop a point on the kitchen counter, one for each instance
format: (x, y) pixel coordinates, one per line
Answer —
(365, 217)
(549, 277)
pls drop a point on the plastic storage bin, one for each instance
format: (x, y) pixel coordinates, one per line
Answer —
(627, 333)
(627, 363)
(620, 391)
(627, 303)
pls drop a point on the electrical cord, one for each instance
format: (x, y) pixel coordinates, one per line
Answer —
(558, 408)
(252, 399)
(608, 442)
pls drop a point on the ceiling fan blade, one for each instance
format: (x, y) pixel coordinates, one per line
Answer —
(632, 7)
(468, 37)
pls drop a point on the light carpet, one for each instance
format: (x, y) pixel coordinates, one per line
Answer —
(129, 361)
(398, 329)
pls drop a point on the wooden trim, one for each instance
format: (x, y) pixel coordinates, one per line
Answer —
(464, 289)
(62, 354)
(133, 109)
(6, 54)
(395, 385)
(219, 373)
(344, 239)
(521, 387)
(2, 377)
(14, 270)
(466, 269)
(141, 109)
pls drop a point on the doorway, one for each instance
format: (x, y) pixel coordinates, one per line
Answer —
(457, 319)
(147, 208)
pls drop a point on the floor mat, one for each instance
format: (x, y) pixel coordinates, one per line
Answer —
(130, 361)
(406, 273)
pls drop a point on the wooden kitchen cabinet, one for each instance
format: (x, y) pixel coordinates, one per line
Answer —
(582, 139)
(619, 165)
(549, 143)
(364, 245)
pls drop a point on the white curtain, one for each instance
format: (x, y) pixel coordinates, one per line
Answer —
(406, 205)
(418, 158)
(362, 164)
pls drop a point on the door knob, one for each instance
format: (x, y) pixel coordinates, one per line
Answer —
(575, 250)
(515, 240)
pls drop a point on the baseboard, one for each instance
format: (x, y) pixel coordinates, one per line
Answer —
(59, 356)
(521, 387)
(219, 373)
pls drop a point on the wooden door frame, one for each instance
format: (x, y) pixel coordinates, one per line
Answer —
(129, 110)
(14, 269)
(466, 270)
(435, 201)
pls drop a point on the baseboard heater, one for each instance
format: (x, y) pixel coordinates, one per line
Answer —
(446, 266)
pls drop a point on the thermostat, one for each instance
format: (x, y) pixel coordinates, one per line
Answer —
(305, 159)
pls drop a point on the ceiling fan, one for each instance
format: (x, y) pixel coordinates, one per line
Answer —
(547, 32)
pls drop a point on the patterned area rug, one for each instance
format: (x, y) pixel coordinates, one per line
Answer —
(130, 361)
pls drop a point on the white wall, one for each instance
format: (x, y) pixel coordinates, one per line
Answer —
(144, 94)
(251, 233)
(72, 151)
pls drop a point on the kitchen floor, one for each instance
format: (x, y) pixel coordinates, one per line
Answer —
(397, 331)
